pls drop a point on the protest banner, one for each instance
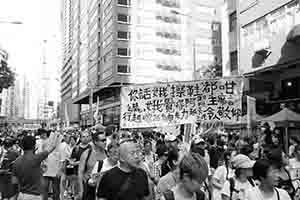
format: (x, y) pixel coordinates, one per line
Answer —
(169, 104)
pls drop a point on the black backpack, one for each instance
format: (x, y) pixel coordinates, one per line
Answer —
(169, 195)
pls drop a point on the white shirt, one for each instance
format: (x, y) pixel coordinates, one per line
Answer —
(239, 186)
(255, 194)
(105, 167)
(220, 174)
(53, 161)
(65, 151)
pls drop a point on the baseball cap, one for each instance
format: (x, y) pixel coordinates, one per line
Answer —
(241, 161)
(170, 138)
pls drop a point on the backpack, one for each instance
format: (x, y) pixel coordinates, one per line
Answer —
(169, 195)
(100, 165)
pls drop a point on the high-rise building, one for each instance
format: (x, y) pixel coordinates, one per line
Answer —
(26, 91)
(118, 42)
(3, 57)
(266, 38)
(69, 113)
(230, 39)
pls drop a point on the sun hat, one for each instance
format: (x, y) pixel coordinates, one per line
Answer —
(241, 161)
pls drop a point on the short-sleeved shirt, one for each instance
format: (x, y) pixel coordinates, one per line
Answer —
(255, 194)
(239, 187)
(221, 175)
(114, 179)
(27, 169)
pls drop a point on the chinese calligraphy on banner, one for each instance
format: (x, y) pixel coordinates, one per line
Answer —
(167, 104)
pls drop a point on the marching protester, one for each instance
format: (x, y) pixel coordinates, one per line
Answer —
(72, 164)
(221, 174)
(294, 170)
(87, 161)
(193, 171)
(27, 168)
(9, 155)
(235, 187)
(169, 180)
(129, 181)
(105, 165)
(162, 155)
(267, 175)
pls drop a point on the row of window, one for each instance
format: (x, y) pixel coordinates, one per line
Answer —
(173, 19)
(169, 3)
(167, 35)
(169, 51)
(168, 67)
(275, 22)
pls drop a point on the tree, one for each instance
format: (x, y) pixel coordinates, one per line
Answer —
(213, 71)
(7, 76)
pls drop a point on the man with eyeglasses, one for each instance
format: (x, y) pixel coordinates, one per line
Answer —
(126, 181)
(87, 161)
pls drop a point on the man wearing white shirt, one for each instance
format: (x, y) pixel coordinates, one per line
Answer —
(52, 172)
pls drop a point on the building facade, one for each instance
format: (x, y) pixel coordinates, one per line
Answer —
(68, 112)
(3, 58)
(119, 42)
(230, 38)
(264, 49)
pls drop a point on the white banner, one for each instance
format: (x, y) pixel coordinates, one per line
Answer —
(168, 104)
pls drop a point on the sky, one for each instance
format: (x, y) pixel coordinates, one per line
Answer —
(25, 42)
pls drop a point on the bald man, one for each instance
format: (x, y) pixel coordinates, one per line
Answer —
(125, 181)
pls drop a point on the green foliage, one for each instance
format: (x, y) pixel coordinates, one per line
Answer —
(7, 76)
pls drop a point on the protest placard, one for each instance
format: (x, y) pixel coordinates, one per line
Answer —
(168, 104)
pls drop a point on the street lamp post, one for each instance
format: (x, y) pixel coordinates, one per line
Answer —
(193, 43)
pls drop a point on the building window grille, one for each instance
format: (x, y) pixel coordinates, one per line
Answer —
(123, 18)
(123, 69)
(123, 52)
(124, 2)
(232, 22)
(123, 35)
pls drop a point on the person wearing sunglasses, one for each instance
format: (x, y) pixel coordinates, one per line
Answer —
(87, 161)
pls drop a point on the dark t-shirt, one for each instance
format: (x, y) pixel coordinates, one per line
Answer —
(27, 169)
(114, 179)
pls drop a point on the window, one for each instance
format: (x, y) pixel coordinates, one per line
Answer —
(123, 18)
(123, 52)
(233, 61)
(232, 22)
(123, 69)
(123, 35)
(215, 27)
(124, 2)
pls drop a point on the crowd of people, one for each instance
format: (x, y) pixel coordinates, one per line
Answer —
(106, 164)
